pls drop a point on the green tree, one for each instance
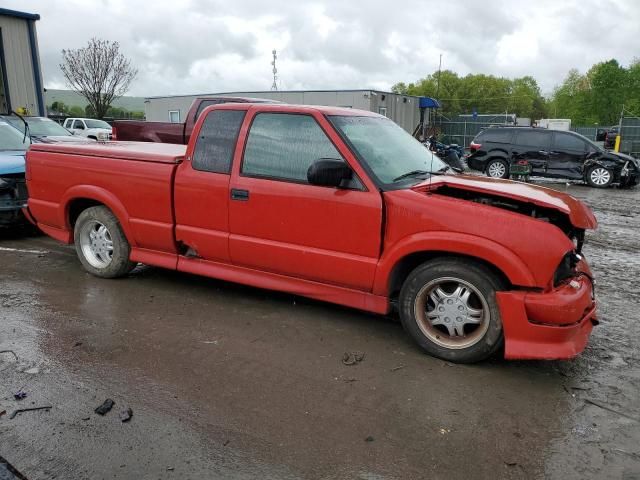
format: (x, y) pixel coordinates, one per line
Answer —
(76, 111)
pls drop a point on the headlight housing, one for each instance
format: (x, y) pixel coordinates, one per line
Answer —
(566, 269)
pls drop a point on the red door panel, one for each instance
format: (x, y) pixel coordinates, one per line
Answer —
(201, 207)
(323, 234)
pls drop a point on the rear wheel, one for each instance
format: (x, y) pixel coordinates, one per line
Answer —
(497, 169)
(101, 244)
(449, 308)
(599, 177)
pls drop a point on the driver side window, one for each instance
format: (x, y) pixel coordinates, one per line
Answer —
(283, 146)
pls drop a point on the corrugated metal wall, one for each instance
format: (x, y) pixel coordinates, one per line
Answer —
(17, 54)
(402, 109)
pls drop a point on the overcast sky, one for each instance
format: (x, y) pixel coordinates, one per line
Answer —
(206, 46)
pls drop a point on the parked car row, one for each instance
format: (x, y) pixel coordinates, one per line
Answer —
(16, 135)
(551, 153)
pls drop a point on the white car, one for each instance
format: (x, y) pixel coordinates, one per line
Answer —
(88, 127)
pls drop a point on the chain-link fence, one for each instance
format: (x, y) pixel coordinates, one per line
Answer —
(630, 136)
(463, 128)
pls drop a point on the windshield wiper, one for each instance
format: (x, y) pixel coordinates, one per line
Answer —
(412, 173)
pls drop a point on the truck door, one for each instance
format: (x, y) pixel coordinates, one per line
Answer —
(567, 155)
(281, 224)
(201, 195)
(532, 145)
(77, 127)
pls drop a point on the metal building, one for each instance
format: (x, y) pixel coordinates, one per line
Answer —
(402, 109)
(20, 73)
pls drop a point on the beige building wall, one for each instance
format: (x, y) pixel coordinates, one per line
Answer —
(21, 83)
(402, 109)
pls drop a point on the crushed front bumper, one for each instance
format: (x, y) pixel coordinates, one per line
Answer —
(548, 325)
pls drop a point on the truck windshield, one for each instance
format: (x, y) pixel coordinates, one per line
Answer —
(11, 139)
(39, 126)
(392, 155)
(97, 124)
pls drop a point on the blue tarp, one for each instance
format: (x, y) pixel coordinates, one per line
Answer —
(428, 102)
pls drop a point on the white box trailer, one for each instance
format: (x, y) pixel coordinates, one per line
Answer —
(555, 123)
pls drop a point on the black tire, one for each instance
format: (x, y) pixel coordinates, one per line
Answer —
(104, 265)
(497, 165)
(483, 339)
(599, 177)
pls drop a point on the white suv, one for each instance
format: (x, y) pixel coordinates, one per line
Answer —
(88, 127)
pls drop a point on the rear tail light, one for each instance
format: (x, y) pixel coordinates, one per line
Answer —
(113, 133)
(475, 146)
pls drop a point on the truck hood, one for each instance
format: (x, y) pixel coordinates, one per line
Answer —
(577, 212)
(11, 161)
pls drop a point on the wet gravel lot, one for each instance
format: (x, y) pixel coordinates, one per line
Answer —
(226, 381)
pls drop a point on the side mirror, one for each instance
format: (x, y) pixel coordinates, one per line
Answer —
(328, 172)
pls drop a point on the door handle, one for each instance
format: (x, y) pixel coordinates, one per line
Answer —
(241, 195)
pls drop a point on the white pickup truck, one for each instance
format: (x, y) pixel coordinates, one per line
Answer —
(88, 127)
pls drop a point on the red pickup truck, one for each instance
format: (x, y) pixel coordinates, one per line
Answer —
(334, 204)
(168, 132)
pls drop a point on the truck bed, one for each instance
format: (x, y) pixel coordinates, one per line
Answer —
(135, 180)
(145, 152)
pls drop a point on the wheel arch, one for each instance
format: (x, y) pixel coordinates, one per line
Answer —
(80, 197)
(395, 265)
(407, 264)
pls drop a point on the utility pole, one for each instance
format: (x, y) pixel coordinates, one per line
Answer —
(274, 87)
(439, 71)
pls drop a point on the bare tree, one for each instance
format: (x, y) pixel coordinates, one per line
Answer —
(98, 72)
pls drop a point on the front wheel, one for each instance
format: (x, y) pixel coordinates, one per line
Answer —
(101, 244)
(449, 308)
(599, 177)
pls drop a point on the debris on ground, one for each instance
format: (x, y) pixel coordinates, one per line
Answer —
(351, 358)
(170, 469)
(20, 395)
(106, 407)
(31, 409)
(399, 367)
(369, 439)
(126, 415)
(32, 371)
(2, 412)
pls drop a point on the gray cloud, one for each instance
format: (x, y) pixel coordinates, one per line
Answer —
(214, 45)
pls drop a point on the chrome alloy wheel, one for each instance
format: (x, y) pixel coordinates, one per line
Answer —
(96, 244)
(497, 170)
(600, 176)
(452, 313)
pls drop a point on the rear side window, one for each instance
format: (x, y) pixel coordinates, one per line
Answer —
(533, 138)
(78, 124)
(204, 104)
(284, 145)
(565, 141)
(217, 141)
(497, 135)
